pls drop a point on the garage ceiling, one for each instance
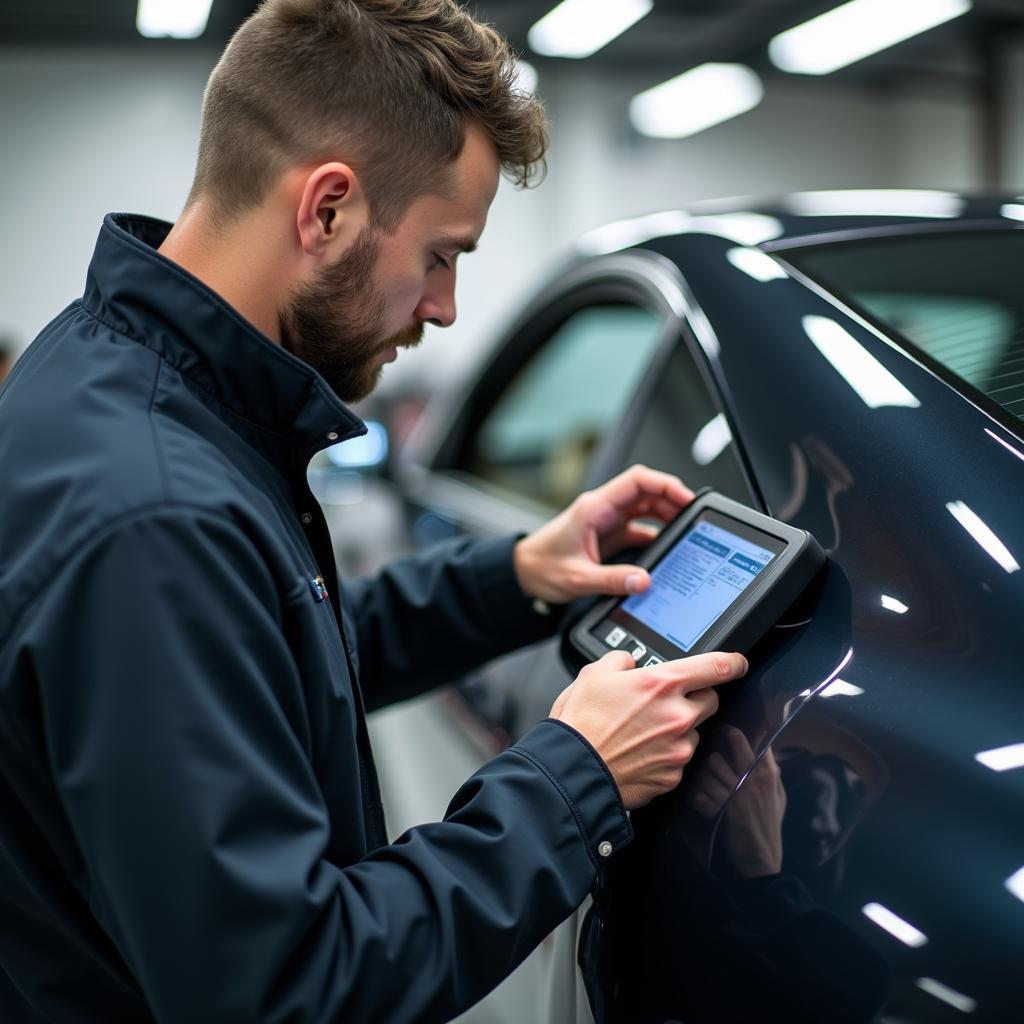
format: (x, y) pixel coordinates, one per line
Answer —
(676, 35)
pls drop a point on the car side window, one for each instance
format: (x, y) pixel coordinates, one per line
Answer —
(539, 436)
(682, 431)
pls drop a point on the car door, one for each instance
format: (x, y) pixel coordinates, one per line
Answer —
(603, 371)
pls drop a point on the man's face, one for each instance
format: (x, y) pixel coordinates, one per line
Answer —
(353, 316)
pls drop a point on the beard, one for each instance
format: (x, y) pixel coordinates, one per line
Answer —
(335, 323)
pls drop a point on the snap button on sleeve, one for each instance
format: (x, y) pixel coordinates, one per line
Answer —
(306, 518)
(605, 849)
(332, 435)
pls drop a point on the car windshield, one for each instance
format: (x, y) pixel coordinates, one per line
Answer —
(958, 298)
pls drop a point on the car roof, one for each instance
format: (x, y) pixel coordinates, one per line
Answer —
(785, 219)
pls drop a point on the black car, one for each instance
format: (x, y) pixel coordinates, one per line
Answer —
(848, 844)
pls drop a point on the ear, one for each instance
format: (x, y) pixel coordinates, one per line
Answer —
(332, 211)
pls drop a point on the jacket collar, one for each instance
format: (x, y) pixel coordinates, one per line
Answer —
(144, 295)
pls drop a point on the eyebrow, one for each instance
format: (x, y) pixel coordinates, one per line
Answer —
(462, 243)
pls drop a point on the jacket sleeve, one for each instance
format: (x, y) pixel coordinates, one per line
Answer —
(175, 726)
(430, 618)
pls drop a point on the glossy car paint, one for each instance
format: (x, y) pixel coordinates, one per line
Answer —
(857, 806)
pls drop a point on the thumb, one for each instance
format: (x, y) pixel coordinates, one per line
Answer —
(618, 579)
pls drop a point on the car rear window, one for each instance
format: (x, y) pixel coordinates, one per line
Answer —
(957, 298)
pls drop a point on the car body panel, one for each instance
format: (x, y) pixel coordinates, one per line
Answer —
(865, 709)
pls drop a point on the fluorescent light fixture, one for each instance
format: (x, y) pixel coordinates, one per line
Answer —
(982, 533)
(875, 385)
(948, 995)
(895, 926)
(855, 30)
(179, 19)
(840, 688)
(1002, 759)
(695, 100)
(1012, 211)
(758, 265)
(876, 202)
(1015, 883)
(712, 440)
(371, 449)
(890, 604)
(526, 78)
(579, 28)
(1008, 447)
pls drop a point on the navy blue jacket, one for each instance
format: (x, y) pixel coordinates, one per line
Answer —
(190, 824)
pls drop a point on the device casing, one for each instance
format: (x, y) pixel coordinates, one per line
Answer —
(760, 604)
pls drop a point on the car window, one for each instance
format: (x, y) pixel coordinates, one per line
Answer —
(538, 437)
(683, 432)
(956, 298)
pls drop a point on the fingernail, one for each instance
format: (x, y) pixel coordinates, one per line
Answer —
(634, 583)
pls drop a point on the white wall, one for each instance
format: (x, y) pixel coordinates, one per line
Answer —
(83, 133)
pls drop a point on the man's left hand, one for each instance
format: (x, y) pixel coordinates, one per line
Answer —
(563, 559)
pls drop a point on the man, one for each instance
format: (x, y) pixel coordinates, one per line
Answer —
(190, 825)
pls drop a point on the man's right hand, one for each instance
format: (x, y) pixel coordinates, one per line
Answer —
(643, 721)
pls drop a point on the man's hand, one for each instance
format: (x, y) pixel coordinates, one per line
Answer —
(643, 721)
(562, 560)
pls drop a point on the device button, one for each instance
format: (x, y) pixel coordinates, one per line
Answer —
(615, 637)
(653, 660)
(638, 652)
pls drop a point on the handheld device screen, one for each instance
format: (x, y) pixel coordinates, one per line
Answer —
(698, 579)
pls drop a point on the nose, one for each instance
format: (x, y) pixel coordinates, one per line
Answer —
(437, 306)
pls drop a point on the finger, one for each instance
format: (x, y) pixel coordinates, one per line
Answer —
(617, 661)
(640, 482)
(706, 701)
(617, 580)
(631, 535)
(700, 670)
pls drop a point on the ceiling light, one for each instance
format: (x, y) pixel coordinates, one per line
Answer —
(759, 265)
(982, 533)
(579, 28)
(1002, 759)
(876, 202)
(891, 604)
(695, 100)
(179, 19)
(855, 30)
(895, 926)
(876, 386)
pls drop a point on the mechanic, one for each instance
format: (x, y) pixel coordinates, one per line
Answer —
(190, 823)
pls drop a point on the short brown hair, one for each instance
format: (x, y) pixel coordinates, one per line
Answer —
(389, 85)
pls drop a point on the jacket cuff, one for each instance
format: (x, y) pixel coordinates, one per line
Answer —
(515, 614)
(577, 771)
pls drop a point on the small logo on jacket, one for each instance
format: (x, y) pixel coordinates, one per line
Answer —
(316, 584)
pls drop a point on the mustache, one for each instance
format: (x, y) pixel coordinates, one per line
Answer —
(409, 338)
